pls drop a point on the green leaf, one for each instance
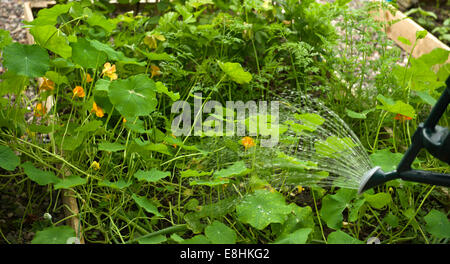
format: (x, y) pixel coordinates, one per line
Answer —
(56, 77)
(426, 97)
(110, 146)
(262, 208)
(334, 205)
(134, 96)
(110, 52)
(421, 34)
(5, 38)
(235, 72)
(436, 56)
(387, 160)
(39, 176)
(152, 175)
(299, 236)
(49, 16)
(28, 60)
(70, 182)
(161, 88)
(51, 38)
(8, 159)
(198, 239)
(378, 200)
(194, 173)
(87, 56)
(237, 169)
(444, 72)
(146, 204)
(404, 40)
(397, 107)
(340, 237)
(219, 233)
(99, 20)
(120, 184)
(12, 83)
(437, 224)
(362, 115)
(53, 235)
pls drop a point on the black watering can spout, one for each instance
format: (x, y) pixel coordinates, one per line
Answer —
(435, 139)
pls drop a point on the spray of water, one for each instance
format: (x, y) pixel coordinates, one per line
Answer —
(316, 148)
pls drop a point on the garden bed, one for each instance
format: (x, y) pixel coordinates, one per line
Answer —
(137, 182)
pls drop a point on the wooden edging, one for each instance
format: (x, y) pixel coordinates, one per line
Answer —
(399, 25)
(68, 196)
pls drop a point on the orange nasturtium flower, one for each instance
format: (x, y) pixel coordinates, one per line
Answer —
(155, 71)
(402, 117)
(247, 142)
(39, 110)
(110, 71)
(78, 91)
(98, 111)
(88, 78)
(47, 84)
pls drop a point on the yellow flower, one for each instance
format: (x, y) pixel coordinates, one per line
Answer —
(88, 78)
(47, 84)
(300, 189)
(39, 110)
(155, 71)
(95, 165)
(98, 111)
(247, 142)
(124, 120)
(78, 91)
(150, 40)
(109, 71)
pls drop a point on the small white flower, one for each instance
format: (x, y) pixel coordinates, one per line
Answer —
(48, 216)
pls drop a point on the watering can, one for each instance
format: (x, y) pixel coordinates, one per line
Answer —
(435, 139)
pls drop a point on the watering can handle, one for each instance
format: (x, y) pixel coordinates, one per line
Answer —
(430, 124)
(439, 108)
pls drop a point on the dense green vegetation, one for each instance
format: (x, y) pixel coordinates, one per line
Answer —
(114, 78)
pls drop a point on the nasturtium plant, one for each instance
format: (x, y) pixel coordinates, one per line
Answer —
(437, 224)
(8, 159)
(235, 72)
(219, 233)
(146, 204)
(27, 60)
(53, 39)
(54, 235)
(134, 96)
(261, 208)
(39, 176)
(85, 55)
(396, 107)
(152, 175)
(334, 145)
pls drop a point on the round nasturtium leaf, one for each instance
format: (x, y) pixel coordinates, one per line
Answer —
(133, 97)
(54, 235)
(87, 56)
(27, 60)
(8, 160)
(262, 208)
